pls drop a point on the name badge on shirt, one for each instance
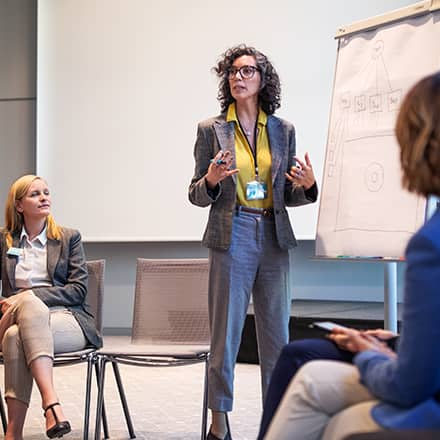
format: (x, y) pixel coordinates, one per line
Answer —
(256, 190)
(15, 252)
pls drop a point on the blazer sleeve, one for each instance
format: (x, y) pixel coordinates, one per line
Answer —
(414, 376)
(198, 193)
(70, 277)
(296, 195)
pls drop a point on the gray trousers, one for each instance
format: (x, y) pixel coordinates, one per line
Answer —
(254, 264)
(38, 331)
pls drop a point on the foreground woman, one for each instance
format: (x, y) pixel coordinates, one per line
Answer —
(385, 390)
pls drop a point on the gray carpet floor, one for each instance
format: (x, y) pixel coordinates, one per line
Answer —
(165, 402)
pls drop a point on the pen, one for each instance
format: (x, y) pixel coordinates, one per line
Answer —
(217, 162)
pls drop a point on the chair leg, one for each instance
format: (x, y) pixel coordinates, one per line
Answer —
(104, 415)
(90, 361)
(123, 398)
(3, 414)
(100, 400)
(205, 403)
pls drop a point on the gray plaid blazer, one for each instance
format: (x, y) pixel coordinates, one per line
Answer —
(216, 134)
(66, 265)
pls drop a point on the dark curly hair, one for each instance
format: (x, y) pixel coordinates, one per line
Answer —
(270, 92)
(418, 135)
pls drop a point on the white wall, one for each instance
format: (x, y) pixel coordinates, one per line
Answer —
(17, 91)
(122, 85)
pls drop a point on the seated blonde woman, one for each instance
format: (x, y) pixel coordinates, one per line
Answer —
(44, 307)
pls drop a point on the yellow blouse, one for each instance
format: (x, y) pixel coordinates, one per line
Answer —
(244, 160)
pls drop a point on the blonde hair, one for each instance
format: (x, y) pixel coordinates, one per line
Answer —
(418, 134)
(14, 220)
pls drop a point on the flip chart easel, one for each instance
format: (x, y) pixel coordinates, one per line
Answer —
(365, 214)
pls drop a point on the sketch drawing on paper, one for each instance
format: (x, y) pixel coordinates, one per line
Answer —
(362, 163)
(364, 210)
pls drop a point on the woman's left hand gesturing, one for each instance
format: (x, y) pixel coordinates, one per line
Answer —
(302, 173)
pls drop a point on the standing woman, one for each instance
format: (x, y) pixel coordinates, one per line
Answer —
(44, 311)
(245, 170)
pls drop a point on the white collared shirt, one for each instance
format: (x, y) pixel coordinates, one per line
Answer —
(31, 268)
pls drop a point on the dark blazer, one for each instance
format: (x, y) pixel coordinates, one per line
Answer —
(66, 265)
(216, 134)
(409, 386)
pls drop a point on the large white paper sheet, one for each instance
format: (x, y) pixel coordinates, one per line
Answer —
(364, 210)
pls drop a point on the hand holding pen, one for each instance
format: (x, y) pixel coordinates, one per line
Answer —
(220, 168)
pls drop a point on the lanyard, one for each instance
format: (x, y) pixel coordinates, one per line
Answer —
(253, 150)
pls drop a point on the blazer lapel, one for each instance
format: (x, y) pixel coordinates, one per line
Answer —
(225, 136)
(277, 141)
(53, 255)
(11, 262)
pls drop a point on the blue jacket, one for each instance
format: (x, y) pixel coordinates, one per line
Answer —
(406, 386)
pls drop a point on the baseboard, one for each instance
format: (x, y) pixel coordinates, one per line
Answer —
(117, 331)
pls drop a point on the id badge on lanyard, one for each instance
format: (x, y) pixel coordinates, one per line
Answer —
(256, 190)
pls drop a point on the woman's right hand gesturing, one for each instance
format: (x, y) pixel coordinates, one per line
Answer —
(220, 168)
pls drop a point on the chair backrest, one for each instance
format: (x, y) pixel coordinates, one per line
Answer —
(95, 290)
(171, 302)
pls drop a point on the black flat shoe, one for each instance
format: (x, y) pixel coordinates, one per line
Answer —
(60, 428)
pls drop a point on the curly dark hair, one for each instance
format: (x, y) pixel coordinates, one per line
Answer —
(270, 92)
(418, 135)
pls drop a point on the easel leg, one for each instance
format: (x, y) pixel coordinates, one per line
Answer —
(390, 296)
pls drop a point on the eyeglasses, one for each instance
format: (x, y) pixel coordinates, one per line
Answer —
(246, 72)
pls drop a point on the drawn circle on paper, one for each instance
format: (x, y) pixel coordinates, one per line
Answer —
(377, 49)
(374, 177)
